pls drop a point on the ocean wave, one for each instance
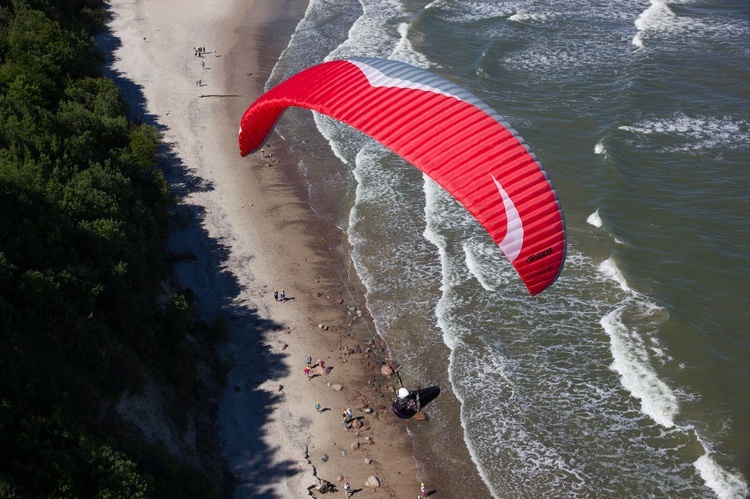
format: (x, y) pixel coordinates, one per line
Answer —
(695, 133)
(681, 25)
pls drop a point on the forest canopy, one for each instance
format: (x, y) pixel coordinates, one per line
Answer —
(83, 224)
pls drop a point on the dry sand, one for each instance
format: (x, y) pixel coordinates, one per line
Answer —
(245, 229)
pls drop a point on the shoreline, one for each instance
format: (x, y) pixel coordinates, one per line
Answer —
(250, 230)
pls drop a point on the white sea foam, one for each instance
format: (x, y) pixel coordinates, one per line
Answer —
(632, 363)
(433, 214)
(610, 270)
(514, 428)
(466, 11)
(374, 33)
(473, 452)
(476, 257)
(631, 359)
(725, 484)
(527, 16)
(308, 44)
(698, 133)
(590, 43)
(405, 51)
(661, 22)
(599, 148)
(657, 15)
(594, 219)
(633, 354)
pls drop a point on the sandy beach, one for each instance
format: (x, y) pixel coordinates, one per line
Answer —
(244, 230)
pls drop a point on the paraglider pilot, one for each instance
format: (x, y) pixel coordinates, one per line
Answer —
(406, 401)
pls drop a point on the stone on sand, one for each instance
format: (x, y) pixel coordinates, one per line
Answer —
(420, 416)
(325, 486)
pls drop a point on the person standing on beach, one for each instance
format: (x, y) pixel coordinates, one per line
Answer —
(282, 296)
(345, 420)
(276, 294)
(317, 407)
(422, 490)
(347, 489)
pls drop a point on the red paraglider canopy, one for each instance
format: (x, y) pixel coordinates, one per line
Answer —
(446, 132)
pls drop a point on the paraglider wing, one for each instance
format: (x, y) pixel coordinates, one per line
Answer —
(446, 132)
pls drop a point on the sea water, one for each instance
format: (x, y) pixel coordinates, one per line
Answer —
(630, 376)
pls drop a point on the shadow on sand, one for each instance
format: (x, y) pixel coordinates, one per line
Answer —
(200, 263)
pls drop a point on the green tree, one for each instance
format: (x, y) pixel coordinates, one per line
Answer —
(83, 221)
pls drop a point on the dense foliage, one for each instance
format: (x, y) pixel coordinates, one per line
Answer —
(82, 229)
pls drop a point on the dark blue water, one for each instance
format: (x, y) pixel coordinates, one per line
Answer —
(628, 378)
